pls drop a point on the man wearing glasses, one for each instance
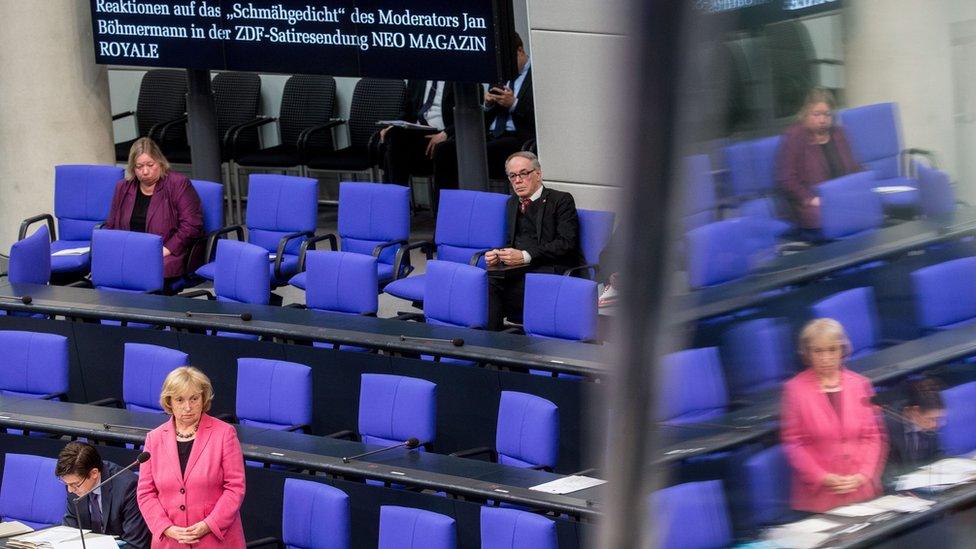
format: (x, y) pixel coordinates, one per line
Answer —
(111, 509)
(543, 236)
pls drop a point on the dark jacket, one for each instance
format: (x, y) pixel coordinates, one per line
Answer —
(801, 166)
(557, 231)
(174, 213)
(905, 454)
(524, 114)
(414, 101)
(120, 510)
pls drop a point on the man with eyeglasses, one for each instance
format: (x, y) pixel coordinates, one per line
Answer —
(543, 236)
(111, 509)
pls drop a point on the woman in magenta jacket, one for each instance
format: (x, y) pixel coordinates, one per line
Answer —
(832, 434)
(191, 489)
(154, 199)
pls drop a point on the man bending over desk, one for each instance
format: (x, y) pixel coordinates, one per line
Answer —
(111, 509)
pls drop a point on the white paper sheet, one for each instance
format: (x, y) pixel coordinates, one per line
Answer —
(810, 526)
(893, 189)
(901, 504)
(925, 479)
(72, 251)
(13, 528)
(65, 537)
(568, 485)
(856, 510)
(796, 540)
(952, 466)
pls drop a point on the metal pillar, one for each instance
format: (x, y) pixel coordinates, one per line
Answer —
(204, 142)
(469, 124)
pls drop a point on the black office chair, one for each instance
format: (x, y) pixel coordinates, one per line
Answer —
(160, 112)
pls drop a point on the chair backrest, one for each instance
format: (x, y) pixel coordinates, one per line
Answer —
(767, 481)
(273, 394)
(212, 203)
(596, 227)
(468, 221)
(717, 252)
(30, 493)
(162, 98)
(34, 364)
(527, 434)
(848, 206)
(944, 293)
(278, 205)
(757, 354)
(373, 100)
(309, 510)
(705, 501)
(237, 96)
(958, 437)
(394, 408)
(455, 294)
(873, 132)
(856, 311)
(514, 529)
(83, 198)
(342, 282)
(698, 190)
(372, 213)
(127, 261)
(561, 307)
(936, 196)
(241, 273)
(144, 368)
(409, 528)
(30, 259)
(752, 166)
(307, 100)
(691, 387)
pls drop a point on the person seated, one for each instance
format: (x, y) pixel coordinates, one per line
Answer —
(111, 509)
(154, 199)
(406, 152)
(913, 429)
(813, 150)
(543, 235)
(831, 433)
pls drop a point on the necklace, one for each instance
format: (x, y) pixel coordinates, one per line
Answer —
(187, 436)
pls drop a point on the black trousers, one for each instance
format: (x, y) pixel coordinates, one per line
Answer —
(405, 155)
(506, 297)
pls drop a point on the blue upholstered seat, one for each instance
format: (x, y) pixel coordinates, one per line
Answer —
(958, 437)
(705, 501)
(409, 528)
(30, 493)
(692, 387)
(514, 529)
(945, 296)
(857, 312)
(758, 355)
(144, 369)
(82, 199)
(394, 408)
(848, 206)
(314, 515)
(274, 394)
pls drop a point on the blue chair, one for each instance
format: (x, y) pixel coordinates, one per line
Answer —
(456, 295)
(944, 295)
(766, 476)
(343, 282)
(212, 205)
(763, 213)
(393, 409)
(856, 311)
(241, 276)
(958, 437)
(30, 493)
(560, 307)
(82, 200)
(274, 394)
(35, 365)
(849, 207)
(514, 529)
(875, 139)
(705, 501)
(526, 435)
(408, 528)
(30, 259)
(936, 196)
(468, 224)
(758, 355)
(309, 510)
(144, 368)
(692, 387)
(698, 189)
(125, 261)
(281, 215)
(595, 228)
(752, 167)
(374, 220)
(719, 252)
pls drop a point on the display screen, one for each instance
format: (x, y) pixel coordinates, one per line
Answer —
(757, 13)
(451, 40)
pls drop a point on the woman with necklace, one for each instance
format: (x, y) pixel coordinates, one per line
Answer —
(832, 434)
(191, 491)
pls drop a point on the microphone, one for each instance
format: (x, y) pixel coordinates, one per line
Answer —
(457, 341)
(409, 444)
(243, 316)
(26, 300)
(142, 458)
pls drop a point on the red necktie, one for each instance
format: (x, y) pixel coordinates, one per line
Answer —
(524, 204)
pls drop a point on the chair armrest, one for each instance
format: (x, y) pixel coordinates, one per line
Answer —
(347, 434)
(299, 427)
(890, 341)
(404, 251)
(111, 401)
(121, 115)
(307, 133)
(197, 293)
(25, 224)
(906, 155)
(476, 257)
(265, 541)
(514, 330)
(239, 230)
(419, 317)
(234, 132)
(311, 242)
(281, 248)
(583, 268)
(158, 131)
(83, 283)
(295, 306)
(54, 396)
(378, 249)
(541, 468)
(482, 450)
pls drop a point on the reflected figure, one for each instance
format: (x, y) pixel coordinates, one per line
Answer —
(914, 436)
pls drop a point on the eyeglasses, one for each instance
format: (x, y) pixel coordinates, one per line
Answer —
(74, 485)
(519, 175)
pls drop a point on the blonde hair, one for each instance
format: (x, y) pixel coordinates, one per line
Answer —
(814, 96)
(823, 328)
(182, 380)
(142, 146)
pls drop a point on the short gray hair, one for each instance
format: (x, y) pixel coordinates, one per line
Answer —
(531, 157)
(827, 328)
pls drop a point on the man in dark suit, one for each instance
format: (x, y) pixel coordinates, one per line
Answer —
(111, 509)
(543, 235)
(913, 436)
(408, 152)
(509, 123)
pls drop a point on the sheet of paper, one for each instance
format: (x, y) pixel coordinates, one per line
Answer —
(893, 189)
(796, 540)
(810, 525)
(13, 528)
(952, 466)
(901, 504)
(272, 257)
(856, 510)
(72, 251)
(925, 479)
(404, 124)
(568, 485)
(54, 534)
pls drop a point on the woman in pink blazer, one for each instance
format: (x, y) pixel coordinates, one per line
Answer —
(832, 435)
(190, 491)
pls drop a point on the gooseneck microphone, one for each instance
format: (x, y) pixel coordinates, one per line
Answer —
(142, 458)
(409, 444)
(457, 341)
(243, 316)
(26, 299)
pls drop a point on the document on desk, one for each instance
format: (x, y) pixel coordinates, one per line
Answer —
(901, 504)
(13, 528)
(952, 466)
(786, 539)
(928, 479)
(72, 251)
(893, 189)
(856, 510)
(62, 537)
(568, 485)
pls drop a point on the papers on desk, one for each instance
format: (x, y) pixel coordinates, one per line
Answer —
(62, 537)
(939, 475)
(272, 257)
(13, 528)
(952, 466)
(72, 251)
(803, 534)
(568, 485)
(899, 504)
(893, 189)
(404, 124)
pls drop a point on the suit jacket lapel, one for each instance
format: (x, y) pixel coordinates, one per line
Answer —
(510, 213)
(543, 204)
(104, 500)
(128, 204)
(169, 447)
(203, 437)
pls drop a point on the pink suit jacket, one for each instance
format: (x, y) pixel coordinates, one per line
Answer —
(212, 489)
(817, 441)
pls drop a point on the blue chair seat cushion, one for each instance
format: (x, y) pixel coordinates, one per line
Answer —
(289, 266)
(207, 271)
(384, 273)
(298, 281)
(410, 288)
(69, 263)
